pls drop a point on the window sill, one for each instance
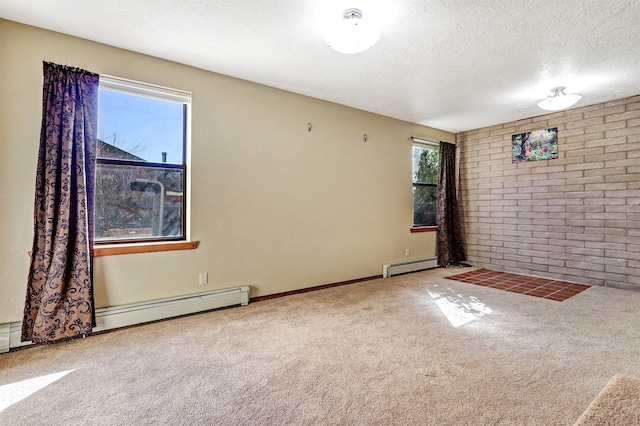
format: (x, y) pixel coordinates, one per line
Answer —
(424, 229)
(134, 248)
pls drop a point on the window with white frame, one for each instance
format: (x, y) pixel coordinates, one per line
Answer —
(140, 192)
(425, 183)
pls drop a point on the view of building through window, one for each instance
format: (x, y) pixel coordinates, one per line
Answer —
(140, 170)
(425, 185)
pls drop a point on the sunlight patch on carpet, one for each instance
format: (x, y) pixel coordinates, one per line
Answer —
(459, 309)
(14, 392)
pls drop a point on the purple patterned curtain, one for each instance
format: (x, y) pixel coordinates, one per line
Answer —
(59, 303)
(450, 244)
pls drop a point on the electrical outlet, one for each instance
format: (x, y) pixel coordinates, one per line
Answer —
(406, 252)
(204, 278)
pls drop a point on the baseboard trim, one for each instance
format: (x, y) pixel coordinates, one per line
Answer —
(315, 288)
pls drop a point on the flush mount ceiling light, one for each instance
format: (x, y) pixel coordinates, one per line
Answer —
(352, 34)
(558, 100)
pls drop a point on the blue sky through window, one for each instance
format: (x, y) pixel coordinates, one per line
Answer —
(143, 126)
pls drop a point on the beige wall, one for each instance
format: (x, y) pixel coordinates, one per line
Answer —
(275, 207)
(575, 218)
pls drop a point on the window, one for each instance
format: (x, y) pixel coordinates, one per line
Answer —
(425, 184)
(141, 163)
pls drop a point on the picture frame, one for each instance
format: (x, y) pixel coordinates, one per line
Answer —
(535, 146)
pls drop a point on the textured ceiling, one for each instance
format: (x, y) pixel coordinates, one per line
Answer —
(451, 64)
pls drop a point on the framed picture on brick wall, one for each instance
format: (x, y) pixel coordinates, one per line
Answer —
(535, 146)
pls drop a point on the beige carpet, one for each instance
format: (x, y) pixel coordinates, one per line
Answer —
(617, 404)
(415, 349)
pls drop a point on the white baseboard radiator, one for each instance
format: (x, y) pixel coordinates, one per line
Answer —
(139, 313)
(391, 269)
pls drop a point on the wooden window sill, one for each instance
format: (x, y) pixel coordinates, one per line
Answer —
(133, 248)
(424, 229)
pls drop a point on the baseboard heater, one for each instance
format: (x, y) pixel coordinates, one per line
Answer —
(139, 313)
(391, 269)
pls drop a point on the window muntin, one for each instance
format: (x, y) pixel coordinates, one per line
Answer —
(141, 163)
(425, 184)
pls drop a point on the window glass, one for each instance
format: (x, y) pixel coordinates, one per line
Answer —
(137, 202)
(140, 166)
(140, 127)
(425, 185)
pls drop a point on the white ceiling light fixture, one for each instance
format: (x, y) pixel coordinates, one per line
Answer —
(352, 34)
(558, 100)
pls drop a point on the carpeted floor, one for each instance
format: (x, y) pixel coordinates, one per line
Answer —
(617, 404)
(412, 349)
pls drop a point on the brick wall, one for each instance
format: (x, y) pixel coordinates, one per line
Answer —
(575, 218)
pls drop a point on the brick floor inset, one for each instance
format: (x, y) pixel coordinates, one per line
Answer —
(521, 284)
